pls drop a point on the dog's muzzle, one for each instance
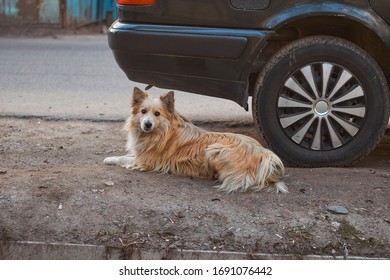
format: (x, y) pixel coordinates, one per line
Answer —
(147, 126)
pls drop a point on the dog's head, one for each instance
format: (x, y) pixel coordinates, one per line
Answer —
(150, 113)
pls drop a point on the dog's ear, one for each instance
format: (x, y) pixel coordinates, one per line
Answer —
(138, 96)
(168, 100)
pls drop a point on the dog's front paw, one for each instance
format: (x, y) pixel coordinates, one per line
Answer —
(124, 161)
(111, 160)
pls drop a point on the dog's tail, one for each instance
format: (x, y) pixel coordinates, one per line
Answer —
(263, 169)
(271, 172)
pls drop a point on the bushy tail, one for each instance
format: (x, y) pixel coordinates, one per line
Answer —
(280, 187)
(271, 172)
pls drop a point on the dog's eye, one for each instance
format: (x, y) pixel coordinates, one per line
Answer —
(157, 113)
(143, 111)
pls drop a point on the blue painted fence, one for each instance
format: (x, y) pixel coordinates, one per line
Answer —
(80, 12)
(66, 13)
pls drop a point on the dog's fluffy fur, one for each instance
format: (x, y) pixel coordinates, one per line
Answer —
(159, 139)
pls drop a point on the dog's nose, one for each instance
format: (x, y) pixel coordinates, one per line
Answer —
(148, 124)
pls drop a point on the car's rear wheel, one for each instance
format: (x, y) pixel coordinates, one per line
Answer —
(321, 101)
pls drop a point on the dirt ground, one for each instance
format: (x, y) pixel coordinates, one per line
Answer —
(54, 187)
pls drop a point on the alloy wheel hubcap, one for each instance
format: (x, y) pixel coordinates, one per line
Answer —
(321, 106)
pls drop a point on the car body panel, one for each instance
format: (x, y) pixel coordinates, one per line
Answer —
(210, 61)
(210, 47)
(382, 8)
(361, 14)
(206, 13)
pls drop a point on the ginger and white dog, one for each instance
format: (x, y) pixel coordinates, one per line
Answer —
(159, 139)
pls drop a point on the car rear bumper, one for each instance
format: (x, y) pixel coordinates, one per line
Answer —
(209, 61)
(177, 41)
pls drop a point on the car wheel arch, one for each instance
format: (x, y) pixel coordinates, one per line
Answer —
(313, 25)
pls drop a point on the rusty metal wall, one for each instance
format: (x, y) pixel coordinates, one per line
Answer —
(83, 12)
(65, 13)
(80, 12)
(49, 11)
(29, 11)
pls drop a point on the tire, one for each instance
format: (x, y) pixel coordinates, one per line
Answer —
(321, 101)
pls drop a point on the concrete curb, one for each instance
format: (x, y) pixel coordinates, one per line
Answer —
(28, 250)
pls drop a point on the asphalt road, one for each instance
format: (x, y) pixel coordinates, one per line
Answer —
(77, 77)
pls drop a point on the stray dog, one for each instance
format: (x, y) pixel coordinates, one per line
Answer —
(159, 139)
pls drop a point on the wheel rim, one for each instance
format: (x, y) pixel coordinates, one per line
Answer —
(322, 106)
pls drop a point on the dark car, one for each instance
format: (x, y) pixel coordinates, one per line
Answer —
(317, 71)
